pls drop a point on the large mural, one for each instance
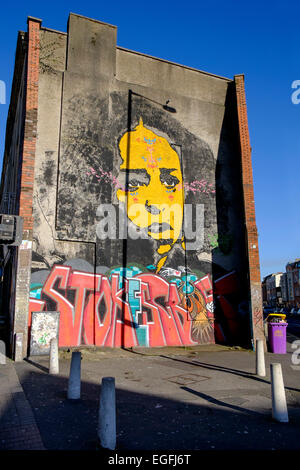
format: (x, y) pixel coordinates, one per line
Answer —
(142, 193)
(134, 307)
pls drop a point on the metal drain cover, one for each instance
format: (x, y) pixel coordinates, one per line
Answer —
(187, 379)
(235, 400)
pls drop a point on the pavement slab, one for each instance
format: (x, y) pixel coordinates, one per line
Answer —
(166, 399)
(18, 428)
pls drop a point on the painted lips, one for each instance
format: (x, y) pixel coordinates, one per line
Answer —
(158, 228)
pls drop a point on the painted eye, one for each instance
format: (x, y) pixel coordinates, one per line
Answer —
(134, 185)
(169, 181)
(169, 185)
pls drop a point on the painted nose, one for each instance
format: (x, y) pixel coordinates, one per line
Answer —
(152, 209)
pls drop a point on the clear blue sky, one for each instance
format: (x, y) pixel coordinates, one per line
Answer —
(259, 39)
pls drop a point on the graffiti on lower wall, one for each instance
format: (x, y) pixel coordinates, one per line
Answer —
(128, 307)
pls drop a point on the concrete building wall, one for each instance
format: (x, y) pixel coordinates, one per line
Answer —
(51, 69)
(10, 194)
(117, 130)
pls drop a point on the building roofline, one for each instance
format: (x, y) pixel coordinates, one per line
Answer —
(136, 52)
(175, 63)
(32, 18)
(92, 19)
(53, 31)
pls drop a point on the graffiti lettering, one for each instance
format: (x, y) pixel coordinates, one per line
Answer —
(132, 308)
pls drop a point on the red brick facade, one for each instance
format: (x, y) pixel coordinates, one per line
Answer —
(27, 172)
(250, 221)
(23, 271)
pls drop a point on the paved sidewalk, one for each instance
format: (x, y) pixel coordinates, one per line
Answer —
(18, 429)
(202, 398)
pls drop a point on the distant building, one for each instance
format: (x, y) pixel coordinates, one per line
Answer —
(283, 289)
(274, 289)
(265, 296)
(293, 282)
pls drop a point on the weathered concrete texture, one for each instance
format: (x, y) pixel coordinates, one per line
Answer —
(198, 98)
(52, 51)
(22, 296)
(91, 47)
(150, 72)
(52, 65)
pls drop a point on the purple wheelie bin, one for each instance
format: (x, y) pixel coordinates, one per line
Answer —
(277, 337)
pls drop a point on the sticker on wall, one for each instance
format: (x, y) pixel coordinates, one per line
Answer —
(44, 327)
(26, 245)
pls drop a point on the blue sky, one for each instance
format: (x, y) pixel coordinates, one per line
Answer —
(259, 39)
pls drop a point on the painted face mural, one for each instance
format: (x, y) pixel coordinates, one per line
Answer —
(163, 291)
(153, 190)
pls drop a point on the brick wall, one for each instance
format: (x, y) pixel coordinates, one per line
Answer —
(251, 229)
(23, 272)
(27, 175)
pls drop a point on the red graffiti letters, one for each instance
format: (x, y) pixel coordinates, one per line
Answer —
(144, 310)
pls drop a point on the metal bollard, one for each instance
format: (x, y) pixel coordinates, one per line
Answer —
(279, 408)
(2, 352)
(54, 361)
(74, 384)
(260, 358)
(107, 414)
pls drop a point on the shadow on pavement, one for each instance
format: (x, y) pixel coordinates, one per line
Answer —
(229, 370)
(38, 366)
(147, 421)
(219, 402)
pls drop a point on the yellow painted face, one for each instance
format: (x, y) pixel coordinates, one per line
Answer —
(153, 185)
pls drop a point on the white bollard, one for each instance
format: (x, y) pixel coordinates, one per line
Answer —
(19, 347)
(279, 408)
(107, 414)
(54, 361)
(2, 352)
(266, 330)
(74, 378)
(260, 358)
